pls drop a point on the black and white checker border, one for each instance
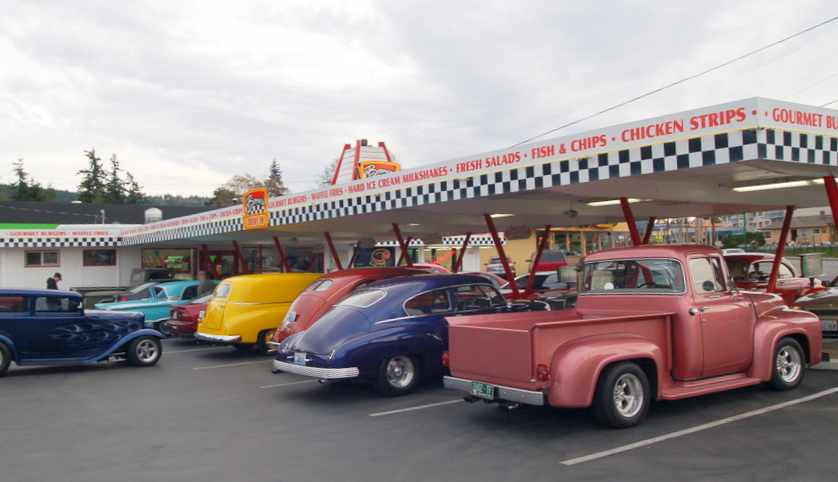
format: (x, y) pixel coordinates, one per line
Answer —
(74, 242)
(723, 148)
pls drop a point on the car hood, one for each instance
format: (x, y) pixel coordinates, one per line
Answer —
(824, 299)
(337, 326)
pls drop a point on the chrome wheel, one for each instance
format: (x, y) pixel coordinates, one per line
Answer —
(788, 364)
(628, 395)
(400, 372)
(147, 350)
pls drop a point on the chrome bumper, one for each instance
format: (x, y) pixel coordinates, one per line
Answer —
(501, 393)
(315, 372)
(217, 338)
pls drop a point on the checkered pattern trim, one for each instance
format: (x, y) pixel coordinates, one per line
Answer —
(734, 146)
(59, 242)
(450, 241)
(208, 229)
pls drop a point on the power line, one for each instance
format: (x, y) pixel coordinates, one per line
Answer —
(679, 82)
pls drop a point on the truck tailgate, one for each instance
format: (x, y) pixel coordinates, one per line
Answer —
(505, 349)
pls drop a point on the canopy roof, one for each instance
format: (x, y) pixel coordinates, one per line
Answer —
(679, 165)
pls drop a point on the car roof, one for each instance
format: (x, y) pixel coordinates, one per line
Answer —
(364, 271)
(426, 282)
(37, 292)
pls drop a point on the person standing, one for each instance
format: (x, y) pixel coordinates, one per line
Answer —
(52, 282)
(206, 286)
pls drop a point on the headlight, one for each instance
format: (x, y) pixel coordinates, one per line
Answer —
(795, 307)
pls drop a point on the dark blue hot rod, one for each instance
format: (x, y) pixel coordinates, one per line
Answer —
(50, 327)
(391, 332)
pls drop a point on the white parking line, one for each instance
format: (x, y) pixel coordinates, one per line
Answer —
(698, 428)
(379, 414)
(289, 383)
(231, 365)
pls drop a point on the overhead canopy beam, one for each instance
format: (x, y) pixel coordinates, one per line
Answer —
(505, 262)
(781, 248)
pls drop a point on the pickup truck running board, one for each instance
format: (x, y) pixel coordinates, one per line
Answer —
(703, 387)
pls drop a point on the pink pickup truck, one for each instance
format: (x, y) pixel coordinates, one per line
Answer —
(650, 322)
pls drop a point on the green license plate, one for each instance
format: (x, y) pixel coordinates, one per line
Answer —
(483, 390)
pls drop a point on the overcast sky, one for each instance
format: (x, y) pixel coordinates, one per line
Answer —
(190, 93)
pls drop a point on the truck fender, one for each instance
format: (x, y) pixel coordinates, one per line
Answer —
(577, 365)
(119, 344)
(8, 341)
(800, 325)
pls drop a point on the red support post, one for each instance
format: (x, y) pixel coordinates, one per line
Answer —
(354, 255)
(314, 261)
(512, 285)
(536, 260)
(459, 264)
(832, 195)
(333, 250)
(781, 248)
(402, 245)
(240, 258)
(649, 228)
(635, 234)
(282, 257)
(403, 253)
(205, 261)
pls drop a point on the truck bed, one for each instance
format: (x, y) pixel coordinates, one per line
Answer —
(505, 349)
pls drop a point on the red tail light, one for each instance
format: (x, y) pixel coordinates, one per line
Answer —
(446, 358)
(185, 315)
(542, 373)
(122, 298)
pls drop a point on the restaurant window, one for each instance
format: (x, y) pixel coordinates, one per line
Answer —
(99, 257)
(41, 258)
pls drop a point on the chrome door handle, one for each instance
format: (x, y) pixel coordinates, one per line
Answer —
(695, 311)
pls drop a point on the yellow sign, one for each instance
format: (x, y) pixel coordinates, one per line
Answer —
(376, 168)
(255, 204)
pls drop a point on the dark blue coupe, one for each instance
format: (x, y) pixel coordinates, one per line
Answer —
(50, 327)
(391, 332)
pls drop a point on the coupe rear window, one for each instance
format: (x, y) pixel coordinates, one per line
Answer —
(319, 285)
(362, 299)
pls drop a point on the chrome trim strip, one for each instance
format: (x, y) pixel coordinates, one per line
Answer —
(316, 372)
(217, 338)
(501, 393)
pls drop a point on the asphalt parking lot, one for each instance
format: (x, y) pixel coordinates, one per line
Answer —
(214, 414)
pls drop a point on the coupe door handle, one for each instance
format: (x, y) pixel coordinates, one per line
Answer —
(702, 309)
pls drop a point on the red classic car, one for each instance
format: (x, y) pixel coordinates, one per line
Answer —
(183, 319)
(750, 271)
(322, 294)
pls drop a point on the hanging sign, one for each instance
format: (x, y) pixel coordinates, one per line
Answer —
(255, 203)
(433, 238)
(518, 232)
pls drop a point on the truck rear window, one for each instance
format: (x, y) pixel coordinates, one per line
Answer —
(642, 275)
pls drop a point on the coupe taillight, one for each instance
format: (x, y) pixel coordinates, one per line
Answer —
(446, 358)
(185, 316)
(542, 373)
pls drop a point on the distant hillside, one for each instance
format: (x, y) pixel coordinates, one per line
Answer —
(7, 190)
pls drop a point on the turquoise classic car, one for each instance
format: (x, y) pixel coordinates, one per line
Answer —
(157, 308)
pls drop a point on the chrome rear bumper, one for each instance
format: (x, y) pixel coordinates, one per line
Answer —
(510, 394)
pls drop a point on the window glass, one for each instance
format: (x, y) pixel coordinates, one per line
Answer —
(41, 258)
(99, 257)
(56, 303)
(707, 275)
(362, 299)
(14, 304)
(471, 297)
(430, 302)
(314, 284)
(495, 298)
(223, 291)
(324, 285)
(660, 275)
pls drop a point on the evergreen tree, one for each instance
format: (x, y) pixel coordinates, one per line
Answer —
(92, 187)
(222, 197)
(274, 183)
(114, 192)
(135, 194)
(27, 189)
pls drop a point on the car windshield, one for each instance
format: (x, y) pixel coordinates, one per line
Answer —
(662, 275)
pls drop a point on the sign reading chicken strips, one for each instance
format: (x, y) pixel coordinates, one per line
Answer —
(256, 209)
